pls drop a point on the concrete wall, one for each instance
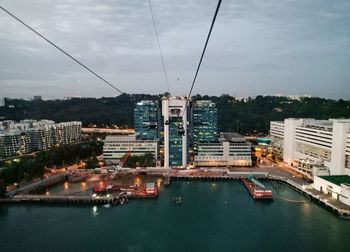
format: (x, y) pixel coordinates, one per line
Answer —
(341, 193)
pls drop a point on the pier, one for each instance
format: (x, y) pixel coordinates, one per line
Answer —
(65, 199)
(44, 183)
(335, 206)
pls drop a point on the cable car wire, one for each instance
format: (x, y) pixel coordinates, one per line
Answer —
(203, 52)
(160, 50)
(61, 50)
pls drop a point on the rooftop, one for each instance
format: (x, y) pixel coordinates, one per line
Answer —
(337, 179)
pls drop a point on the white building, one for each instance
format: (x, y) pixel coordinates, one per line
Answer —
(175, 131)
(314, 147)
(336, 186)
(232, 150)
(116, 147)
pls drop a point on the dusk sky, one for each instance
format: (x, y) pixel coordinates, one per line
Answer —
(257, 47)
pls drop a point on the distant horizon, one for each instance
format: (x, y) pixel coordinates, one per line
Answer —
(236, 97)
(257, 47)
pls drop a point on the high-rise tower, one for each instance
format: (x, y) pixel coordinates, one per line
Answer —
(146, 120)
(175, 131)
(204, 122)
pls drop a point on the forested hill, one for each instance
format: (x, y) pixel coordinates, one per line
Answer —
(252, 115)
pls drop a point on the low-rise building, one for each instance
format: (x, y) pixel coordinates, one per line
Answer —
(232, 150)
(336, 186)
(116, 147)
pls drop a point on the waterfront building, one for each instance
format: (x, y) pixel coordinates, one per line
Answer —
(313, 147)
(174, 113)
(27, 136)
(204, 123)
(336, 186)
(116, 147)
(146, 120)
(232, 150)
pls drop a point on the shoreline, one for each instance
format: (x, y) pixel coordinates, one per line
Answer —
(336, 207)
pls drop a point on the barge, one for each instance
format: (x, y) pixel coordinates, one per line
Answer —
(132, 191)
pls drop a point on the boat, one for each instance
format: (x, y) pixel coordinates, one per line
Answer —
(177, 200)
(257, 189)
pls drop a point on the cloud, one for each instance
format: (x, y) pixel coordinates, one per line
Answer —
(270, 46)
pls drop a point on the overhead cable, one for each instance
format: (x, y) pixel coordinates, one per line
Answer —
(203, 52)
(160, 50)
(61, 50)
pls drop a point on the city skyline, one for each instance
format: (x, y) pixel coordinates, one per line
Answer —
(257, 48)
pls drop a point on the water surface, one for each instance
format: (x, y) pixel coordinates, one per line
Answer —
(218, 216)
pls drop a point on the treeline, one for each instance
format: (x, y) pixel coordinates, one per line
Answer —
(28, 167)
(138, 161)
(249, 116)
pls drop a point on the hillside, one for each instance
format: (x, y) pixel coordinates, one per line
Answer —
(252, 115)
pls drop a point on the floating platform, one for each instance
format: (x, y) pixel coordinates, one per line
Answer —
(132, 191)
(257, 192)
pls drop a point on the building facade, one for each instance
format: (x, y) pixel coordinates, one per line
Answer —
(30, 135)
(116, 147)
(314, 147)
(146, 120)
(232, 150)
(204, 123)
(2, 102)
(338, 187)
(174, 114)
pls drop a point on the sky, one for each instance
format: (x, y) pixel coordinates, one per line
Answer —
(257, 47)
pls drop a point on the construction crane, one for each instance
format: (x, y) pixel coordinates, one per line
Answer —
(121, 164)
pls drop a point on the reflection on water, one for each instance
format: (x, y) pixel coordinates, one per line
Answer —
(94, 211)
(70, 188)
(159, 182)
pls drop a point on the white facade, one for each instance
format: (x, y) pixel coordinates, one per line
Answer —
(336, 186)
(310, 143)
(174, 108)
(224, 154)
(116, 147)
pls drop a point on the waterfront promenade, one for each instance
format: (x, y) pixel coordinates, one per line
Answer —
(275, 173)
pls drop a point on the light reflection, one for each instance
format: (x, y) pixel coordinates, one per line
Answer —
(66, 185)
(137, 181)
(159, 182)
(306, 209)
(94, 211)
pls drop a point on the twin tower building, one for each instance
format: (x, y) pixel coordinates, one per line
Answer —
(179, 124)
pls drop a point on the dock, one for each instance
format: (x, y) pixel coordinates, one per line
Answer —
(335, 206)
(65, 199)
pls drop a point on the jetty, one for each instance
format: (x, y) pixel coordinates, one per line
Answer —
(335, 206)
(66, 199)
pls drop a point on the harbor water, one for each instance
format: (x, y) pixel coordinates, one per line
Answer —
(212, 216)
